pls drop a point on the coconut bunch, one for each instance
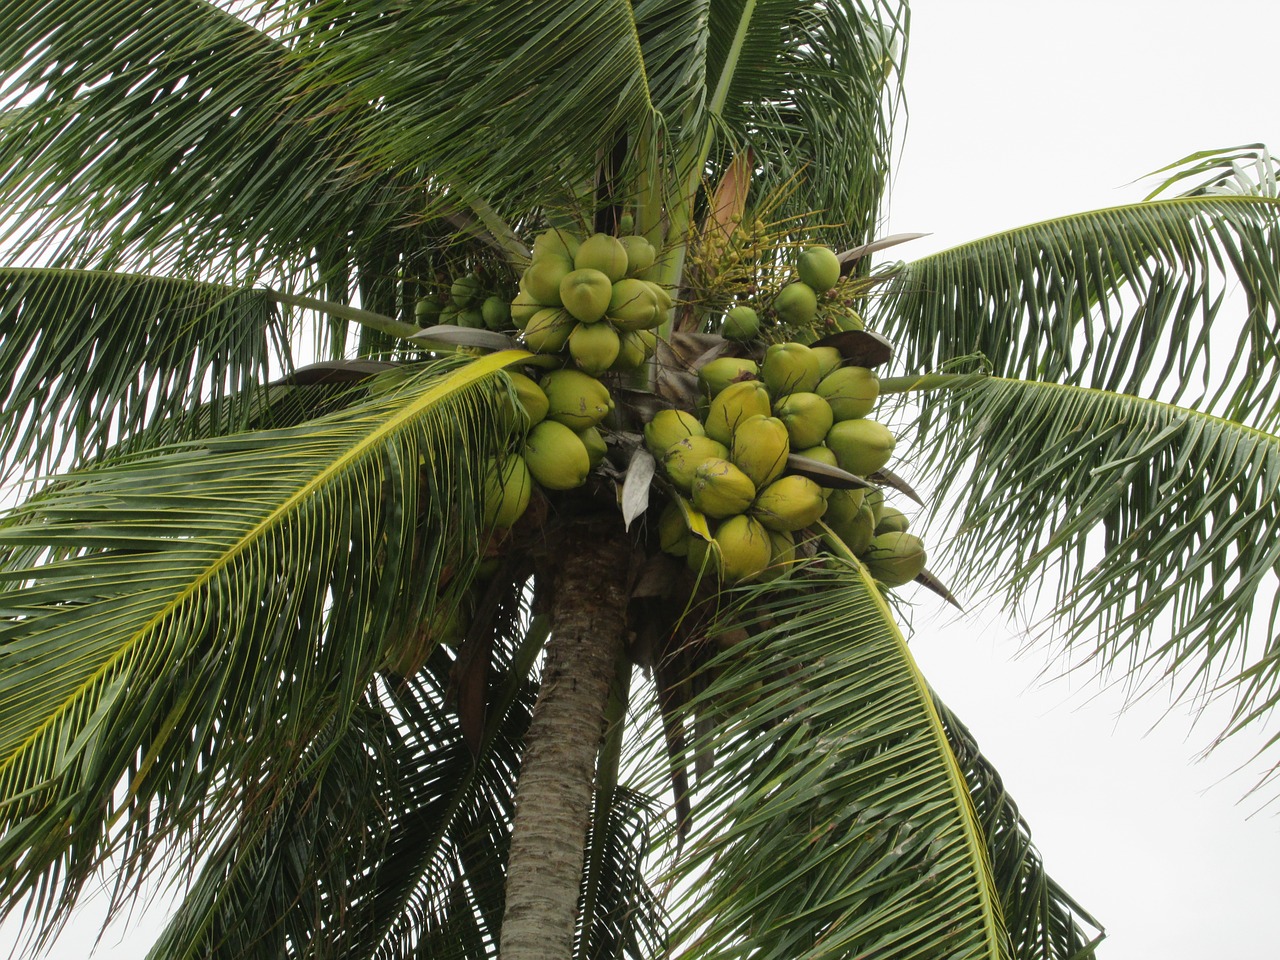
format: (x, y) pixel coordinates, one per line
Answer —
(562, 443)
(752, 466)
(589, 298)
(471, 302)
(811, 301)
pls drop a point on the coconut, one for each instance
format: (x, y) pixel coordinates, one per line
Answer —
(760, 448)
(471, 317)
(682, 459)
(604, 253)
(819, 452)
(465, 291)
(819, 268)
(843, 506)
(507, 490)
(895, 558)
(807, 416)
(861, 446)
(496, 313)
(548, 330)
(576, 399)
(558, 243)
(789, 503)
(740, 323)
(523, 307)
(782, 554)
(789, 368)
(668, 427)
(796, 303)
(721, 372)
(720, 489)
(585, 294)
(875, 503)
(744, 548)
(541, 279)
(673, 532)
(640, 254)
(556, 456)
(632, 350)
(851, 391)
(594, 442)
(734, 404)
(532, 401)
(829, 360)
(633, 305)
(891, 520)
(594, 347)
(855, 534)
(426, 312)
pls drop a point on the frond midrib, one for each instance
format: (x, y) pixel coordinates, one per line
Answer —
(362, 447)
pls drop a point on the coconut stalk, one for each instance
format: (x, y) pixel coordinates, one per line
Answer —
(557, 772)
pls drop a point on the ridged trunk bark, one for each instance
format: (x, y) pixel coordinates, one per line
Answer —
(557, 773)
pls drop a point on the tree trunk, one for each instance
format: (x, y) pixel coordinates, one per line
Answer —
(557, 774)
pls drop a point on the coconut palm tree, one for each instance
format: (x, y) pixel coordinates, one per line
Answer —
(259, 632)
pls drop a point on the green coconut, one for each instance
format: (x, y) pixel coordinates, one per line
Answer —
(744, 549)
(556, 456)
(633, 305)
(576, 399)
(640, 254)
(819, 267)
(548, 330)
(594, 347)
(720, 489)
(585, 293)
(796, 303)
(789, 368)
(734, 404)
(465, 291)
(851, 391)
(557, 243)
(807, 416)
(891, 520)
(496, 312)
(861, 446)
(895, 558)
(723, 371)
(597, 450)
(604, 253)
(740, 323)
(541, 279)
(668, 427)
(790, 503)
(532, 401)
(523, 307)
(682, 459)
(760, 448)
(507, 491)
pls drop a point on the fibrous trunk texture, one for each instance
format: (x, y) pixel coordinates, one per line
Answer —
(557, 773)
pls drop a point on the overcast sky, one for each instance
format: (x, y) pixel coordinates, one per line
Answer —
(1021, 111)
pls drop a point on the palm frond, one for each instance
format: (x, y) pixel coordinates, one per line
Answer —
(1125, 299)
(1246, 169)
(175, 136)
(834, 820)
(1159, 526)
(812, 89)
(1043, 921)
(517, 119)
(92, 358)
(177, 629)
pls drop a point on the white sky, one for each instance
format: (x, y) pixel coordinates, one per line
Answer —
(1021, 111)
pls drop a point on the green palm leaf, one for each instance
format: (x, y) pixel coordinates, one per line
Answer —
(503, 102)
(835, 820)
(1158, 524)
(1043, 921)
(1125, 299)
(807, 87)
(177, 136)
(176, 629)
(92, 358)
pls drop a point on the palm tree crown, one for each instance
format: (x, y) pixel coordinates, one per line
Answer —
(272, 617)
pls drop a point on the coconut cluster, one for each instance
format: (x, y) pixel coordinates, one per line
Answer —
(808, 302)
(562, 444)
(589, 297)
(732, 470)
(471, 302)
